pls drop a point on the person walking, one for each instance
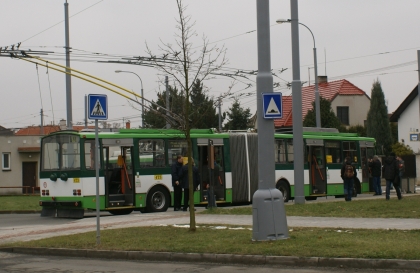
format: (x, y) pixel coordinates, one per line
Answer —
(375, 167)
(185, 182)
(348, 174)
(391, 174)
(176, 182)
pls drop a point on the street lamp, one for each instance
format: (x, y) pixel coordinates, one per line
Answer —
(317, 106)
(142, 98)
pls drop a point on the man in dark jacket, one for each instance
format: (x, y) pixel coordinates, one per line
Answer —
(348, 178)
(390, 172)
(176, 182)
(185, 183)
(375, 168)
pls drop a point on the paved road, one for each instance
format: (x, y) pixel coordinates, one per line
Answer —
(19, 263)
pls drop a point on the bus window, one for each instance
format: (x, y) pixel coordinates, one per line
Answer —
(90, 154)
(61, 152)
(349, 149)
(280, 151)
(290, 155)
(332, 152)
(151, 153)
(176, 147)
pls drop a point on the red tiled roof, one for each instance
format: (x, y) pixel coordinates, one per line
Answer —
(48, 129)
(327, 90)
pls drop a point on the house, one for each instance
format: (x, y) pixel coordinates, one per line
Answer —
(407, 117)
(20, 157)
(350, 103)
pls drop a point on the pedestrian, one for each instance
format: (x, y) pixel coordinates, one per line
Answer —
(401, 170)
(375, 167)
(390, 172)
(348, 174)
(176, 182)
(185, 182)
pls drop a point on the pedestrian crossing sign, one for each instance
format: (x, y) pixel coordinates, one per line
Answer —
(97, 107)
(272, 105)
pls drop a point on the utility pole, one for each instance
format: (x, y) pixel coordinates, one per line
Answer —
(42, 122)
(268, 212)
(220, 114)
(168, 126)
(86, 112)
(68, 71)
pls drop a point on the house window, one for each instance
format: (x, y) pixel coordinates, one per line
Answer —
(343, 114)
(6, 161)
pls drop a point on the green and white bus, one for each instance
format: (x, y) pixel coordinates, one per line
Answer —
(135, 168)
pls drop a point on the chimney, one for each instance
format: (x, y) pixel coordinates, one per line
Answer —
(322, 79)
(62, 124)
(127, 125)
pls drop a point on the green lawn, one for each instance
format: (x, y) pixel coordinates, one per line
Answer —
(20, 202)
(408, 207)
(302, 242)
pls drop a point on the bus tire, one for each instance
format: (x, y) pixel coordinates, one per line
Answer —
(284, 188)
(158, 199)
(120, 211)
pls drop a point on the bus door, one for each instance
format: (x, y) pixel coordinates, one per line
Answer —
(317, 167)
(367, 152)
(119, 175)
(215, 177)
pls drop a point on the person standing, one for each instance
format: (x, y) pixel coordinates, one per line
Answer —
(375, 167)
(176, 182)
(348, 174)
(185, 183)
(391, 174)
(401, 170)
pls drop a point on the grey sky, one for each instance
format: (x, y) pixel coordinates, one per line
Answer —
(377, 37)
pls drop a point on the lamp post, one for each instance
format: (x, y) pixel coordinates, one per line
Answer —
(142, 98)
(317, 106)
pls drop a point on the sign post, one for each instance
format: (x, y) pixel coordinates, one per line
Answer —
(98, 110)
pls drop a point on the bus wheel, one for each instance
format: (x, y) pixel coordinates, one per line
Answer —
(285, 190)
(158, 200)
(120, 211)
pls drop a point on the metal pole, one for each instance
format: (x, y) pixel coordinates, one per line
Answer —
(418, 86)
(269, 217)
(317, 104)
(220, 114)
(97, 166)
(142, 105)
(42, 122)
(167, 103)
(86, 112)
(68, 71)
(297, 107)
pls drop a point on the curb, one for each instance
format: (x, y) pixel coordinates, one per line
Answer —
(273, 261)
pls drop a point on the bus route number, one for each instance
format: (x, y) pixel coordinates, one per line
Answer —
(158, 177)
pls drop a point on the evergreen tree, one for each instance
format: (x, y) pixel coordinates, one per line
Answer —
(378, 122)
(203, 113)
(152, 119)
(328, 117)
(238, 117)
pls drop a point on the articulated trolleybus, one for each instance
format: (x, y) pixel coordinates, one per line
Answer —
(135, 168)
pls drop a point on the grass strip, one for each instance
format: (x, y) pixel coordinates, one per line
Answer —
(408, 207)
(303, 242)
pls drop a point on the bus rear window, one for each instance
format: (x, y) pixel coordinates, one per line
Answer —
(61, 152)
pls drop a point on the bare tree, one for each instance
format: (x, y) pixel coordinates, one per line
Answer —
(185, 64)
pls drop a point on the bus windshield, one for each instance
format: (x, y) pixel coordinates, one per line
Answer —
(61, 152)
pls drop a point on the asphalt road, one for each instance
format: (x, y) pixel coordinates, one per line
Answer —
(20, 263)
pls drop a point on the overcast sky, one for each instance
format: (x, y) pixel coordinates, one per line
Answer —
(361, 41)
